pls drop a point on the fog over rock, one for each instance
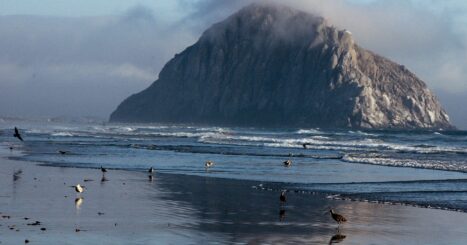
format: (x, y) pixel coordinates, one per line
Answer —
(270, 65)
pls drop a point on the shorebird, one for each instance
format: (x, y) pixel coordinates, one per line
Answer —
(282, 197)
(62, 152)
(79, 188)
(151, 170)
(337, 217)
(305, 144)
(209, 164)
(103, 170)
(288, 163)
(17, 134)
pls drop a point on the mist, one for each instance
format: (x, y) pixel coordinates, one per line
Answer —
(85, 66)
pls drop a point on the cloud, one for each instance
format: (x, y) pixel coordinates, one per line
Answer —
(80, 66)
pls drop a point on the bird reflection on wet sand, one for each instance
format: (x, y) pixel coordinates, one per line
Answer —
(282, 214)
(78, 202)
(104, 179)
(337, 238)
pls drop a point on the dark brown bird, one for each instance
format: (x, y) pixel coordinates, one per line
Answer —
(103, 170)
(282, 197)
(288, 163)
(17, 134)
(151, 170)
(337, 217)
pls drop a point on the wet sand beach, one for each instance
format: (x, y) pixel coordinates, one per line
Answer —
(129, 208)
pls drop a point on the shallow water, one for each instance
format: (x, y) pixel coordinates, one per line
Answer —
(426, 168)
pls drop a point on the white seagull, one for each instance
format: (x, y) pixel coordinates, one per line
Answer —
(79, 188)
(209, 164)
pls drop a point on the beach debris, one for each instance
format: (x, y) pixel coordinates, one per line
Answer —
(115, 224)
(35, 223)
(282, 197)
(43, 229)
(88, 180)
(62, 152)
(77, 230)
(100, 213)
(26, 241)
(17, 134)
(337, 217)
(151, 170)
(26, 218)
(287, 163)
(6, 216)
(11, 148)
(209, 164)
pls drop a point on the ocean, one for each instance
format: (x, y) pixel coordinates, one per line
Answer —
(420, 168)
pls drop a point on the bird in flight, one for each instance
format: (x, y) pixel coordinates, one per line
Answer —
(17, 134)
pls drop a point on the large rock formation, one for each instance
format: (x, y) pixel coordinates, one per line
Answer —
(270, 65)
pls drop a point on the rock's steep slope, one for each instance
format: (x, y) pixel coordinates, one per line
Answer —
(273, 66)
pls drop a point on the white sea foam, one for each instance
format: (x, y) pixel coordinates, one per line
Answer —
(375, 159)
(308, 131)
(63, 134)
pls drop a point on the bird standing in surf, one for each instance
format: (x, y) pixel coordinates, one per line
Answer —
(209, 164)
(79, 188)
(337, 217)
(287, 163)
(282, 197)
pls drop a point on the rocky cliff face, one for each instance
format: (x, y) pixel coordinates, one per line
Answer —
(273, 66)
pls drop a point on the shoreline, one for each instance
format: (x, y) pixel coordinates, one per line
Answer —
(278, 186)
(184, 209)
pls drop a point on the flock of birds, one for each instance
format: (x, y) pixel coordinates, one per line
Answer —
(208, 164)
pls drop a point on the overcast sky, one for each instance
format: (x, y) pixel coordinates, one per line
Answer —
(82, 58)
